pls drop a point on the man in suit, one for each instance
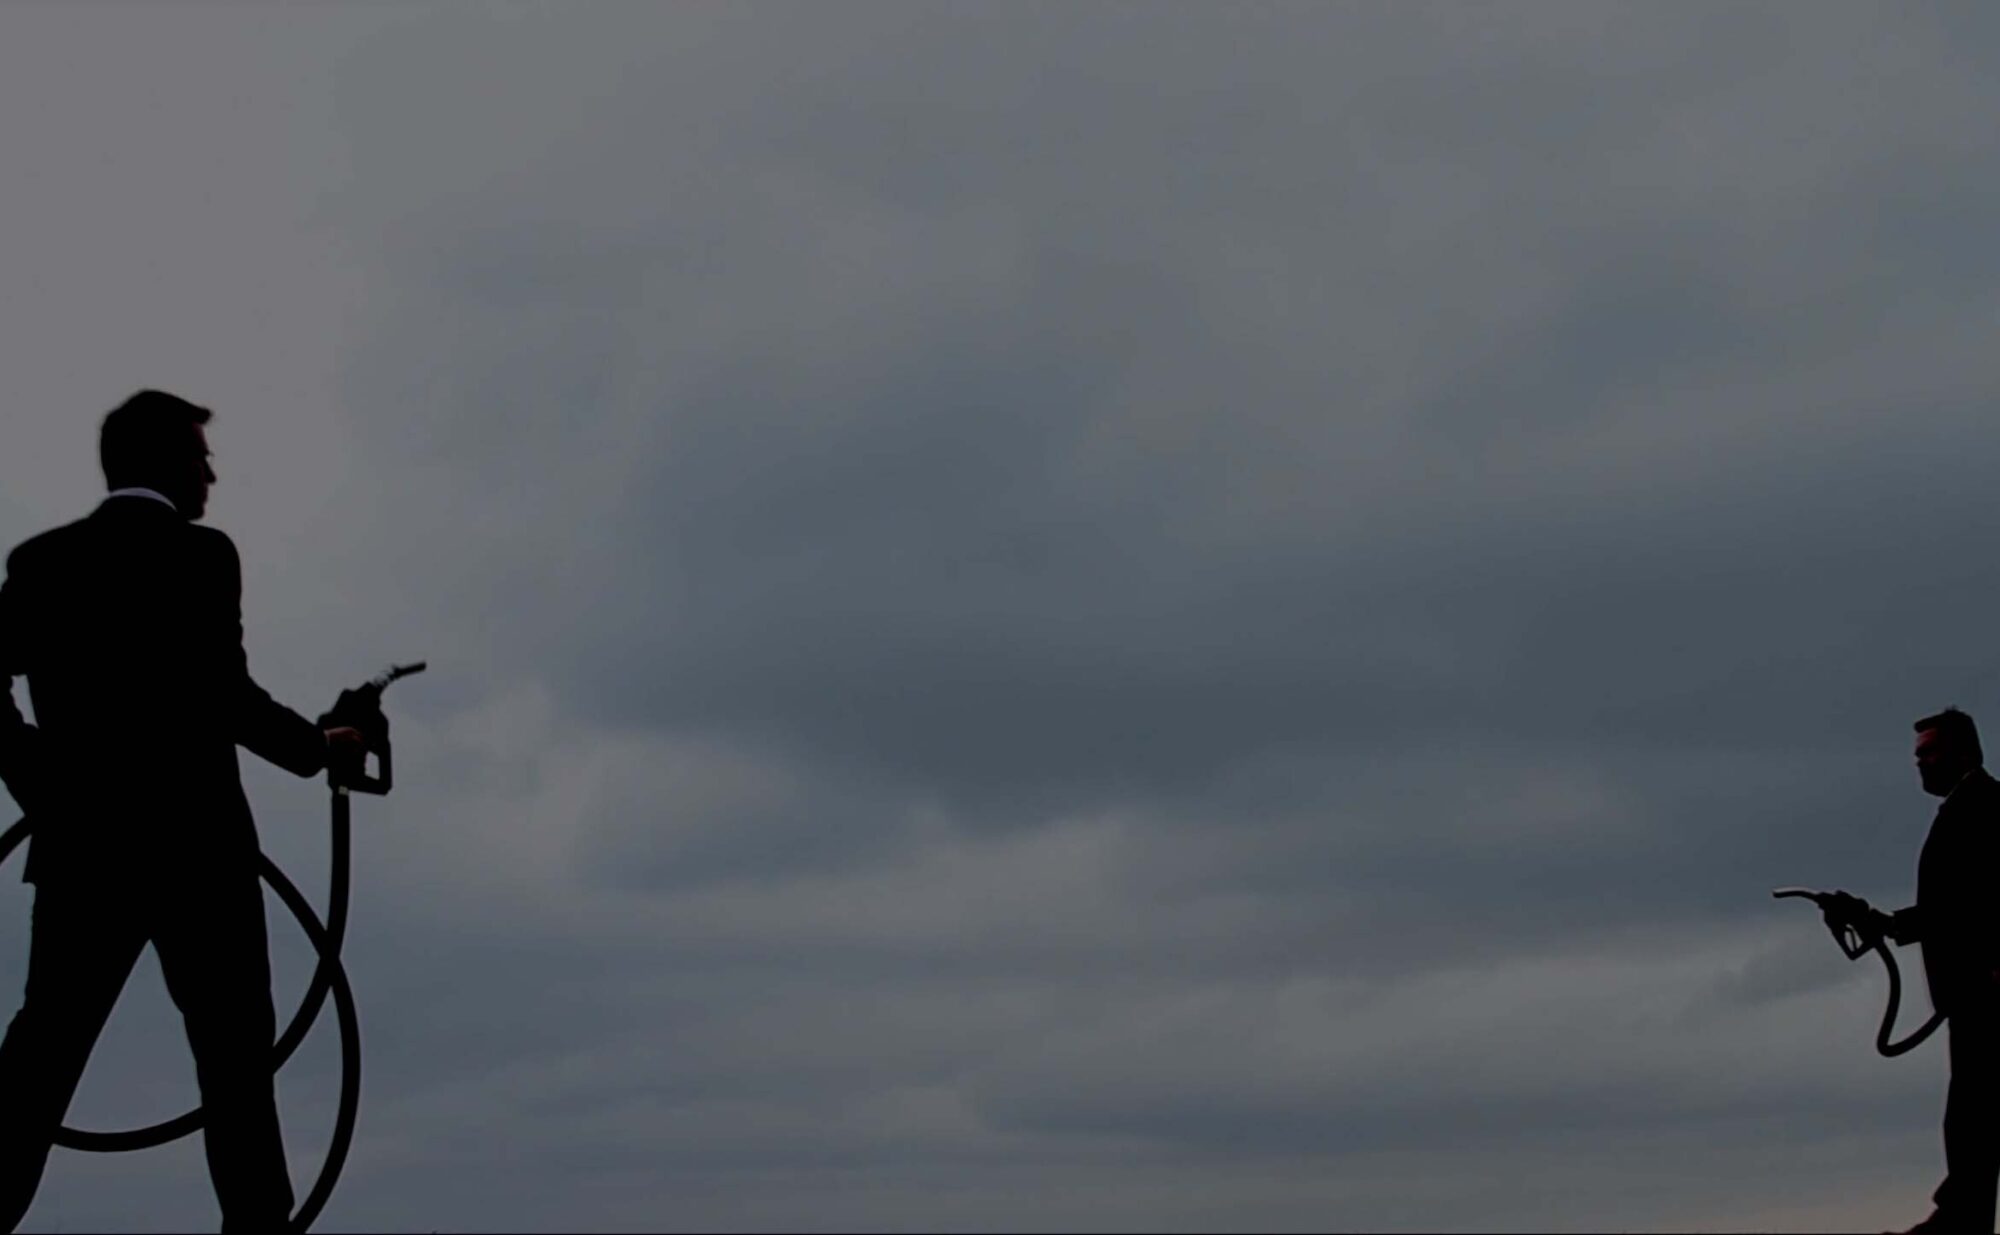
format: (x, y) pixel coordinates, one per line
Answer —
(1957, 923)
(127, 626)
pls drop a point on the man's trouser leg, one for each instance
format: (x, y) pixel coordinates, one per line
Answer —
(82, 947)
(217, 966)
(1965, 1200)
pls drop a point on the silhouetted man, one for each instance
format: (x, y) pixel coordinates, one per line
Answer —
(127, 626)
(1958, 923)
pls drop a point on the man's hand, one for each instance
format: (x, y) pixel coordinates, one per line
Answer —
(21, 764)
(346, 750)
(1846, 909)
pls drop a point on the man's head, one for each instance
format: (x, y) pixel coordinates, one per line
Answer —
(1947, 748)
(154, 440)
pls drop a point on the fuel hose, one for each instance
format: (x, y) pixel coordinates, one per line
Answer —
(359, 708)
(1855, 941)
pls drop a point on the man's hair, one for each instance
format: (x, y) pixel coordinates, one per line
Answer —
(145, 435)
(1957, 728)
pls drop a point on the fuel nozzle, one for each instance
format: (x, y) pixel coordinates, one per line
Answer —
(360, 708)
(1856, 926)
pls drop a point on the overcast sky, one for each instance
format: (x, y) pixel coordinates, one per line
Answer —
(1056, 616)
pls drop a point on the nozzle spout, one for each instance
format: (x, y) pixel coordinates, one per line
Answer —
(394, 672)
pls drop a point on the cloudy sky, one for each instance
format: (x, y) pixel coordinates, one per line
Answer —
(1053, 616)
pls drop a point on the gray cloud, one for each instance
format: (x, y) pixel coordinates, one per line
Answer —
(1144, 616)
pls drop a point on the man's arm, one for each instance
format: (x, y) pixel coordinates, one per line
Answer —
(259, 723)
(1904, 926)
(18, 739)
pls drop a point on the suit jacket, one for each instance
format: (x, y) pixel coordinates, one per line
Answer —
(1955, 917)
(128, 627)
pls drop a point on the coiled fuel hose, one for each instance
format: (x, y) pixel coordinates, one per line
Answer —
(361, 709)
(1855, 940)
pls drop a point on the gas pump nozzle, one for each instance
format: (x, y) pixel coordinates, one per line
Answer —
(360, 708)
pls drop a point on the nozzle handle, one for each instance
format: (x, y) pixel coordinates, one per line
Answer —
(361, 708)
(1852, 938)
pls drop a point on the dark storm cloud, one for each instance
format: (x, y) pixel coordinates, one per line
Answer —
(995, 491)
(1010, 465)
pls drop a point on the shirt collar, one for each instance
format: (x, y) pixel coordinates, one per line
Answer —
(142, 491)
(1960, 785)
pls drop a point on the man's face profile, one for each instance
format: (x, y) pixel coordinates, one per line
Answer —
(1938, 764)
(192, 476)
